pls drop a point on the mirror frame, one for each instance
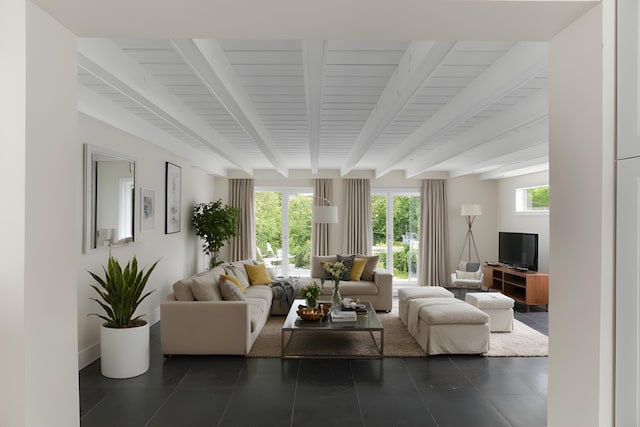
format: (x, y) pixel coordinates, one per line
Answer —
(89, 211)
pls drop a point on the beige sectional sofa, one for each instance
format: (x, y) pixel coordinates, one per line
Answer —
(197, 319)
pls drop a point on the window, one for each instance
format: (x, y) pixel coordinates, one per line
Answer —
(532, 199)
(395, 220)
(283, 229)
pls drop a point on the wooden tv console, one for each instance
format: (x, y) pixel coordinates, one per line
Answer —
(529, 288)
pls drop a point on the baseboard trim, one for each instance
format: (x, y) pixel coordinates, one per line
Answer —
(92, 353)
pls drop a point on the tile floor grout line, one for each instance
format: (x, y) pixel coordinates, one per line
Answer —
(233, 389)
(295, 395)
(424, 402)
(167, 398)
(355, 387)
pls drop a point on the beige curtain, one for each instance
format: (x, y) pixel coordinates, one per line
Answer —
(434, 234)
(357, 229)
(241, 195)
(320, 232)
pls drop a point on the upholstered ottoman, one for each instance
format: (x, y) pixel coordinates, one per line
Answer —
(406, 294)
(448, 326)
(499, 308)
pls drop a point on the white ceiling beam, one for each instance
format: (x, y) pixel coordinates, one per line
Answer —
(530, 110)
(106, 61)
(521, 63)
(416, 66)
(313, 54)
(100, 108)
(521, 168)
(531, 145)
(207, 60)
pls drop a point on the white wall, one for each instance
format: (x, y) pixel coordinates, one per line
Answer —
(179, 253)
(465, 190)
(510, 220)
(37, 313)
(581, 253)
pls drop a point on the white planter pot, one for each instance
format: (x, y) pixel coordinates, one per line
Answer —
(124, 352)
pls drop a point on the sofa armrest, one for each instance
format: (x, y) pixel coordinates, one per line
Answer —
(384, 281)
(205, 327)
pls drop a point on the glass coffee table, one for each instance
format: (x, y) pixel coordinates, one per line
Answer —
(366, 321)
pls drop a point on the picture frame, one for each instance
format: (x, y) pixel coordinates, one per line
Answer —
(172, 198)
(147, 209)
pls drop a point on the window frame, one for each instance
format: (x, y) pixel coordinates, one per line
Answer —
(521, 207)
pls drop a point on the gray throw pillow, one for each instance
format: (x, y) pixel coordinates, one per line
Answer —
(230, 291)
(369, 267)
(348, 263)
(473, 266)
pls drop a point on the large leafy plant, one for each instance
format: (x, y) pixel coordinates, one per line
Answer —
(215, 224)
(121, 292)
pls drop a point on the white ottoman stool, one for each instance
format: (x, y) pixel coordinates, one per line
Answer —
(406, 294)
(448, 326)
(499, 308)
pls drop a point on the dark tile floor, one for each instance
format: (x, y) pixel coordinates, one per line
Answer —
(238, 391)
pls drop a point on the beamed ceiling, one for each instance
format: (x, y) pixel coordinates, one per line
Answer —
(238, 105)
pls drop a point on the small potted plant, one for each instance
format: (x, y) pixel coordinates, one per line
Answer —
(311, 293)
(124, 339)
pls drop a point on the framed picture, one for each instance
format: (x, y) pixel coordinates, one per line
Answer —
(172, 199)
(147, 209)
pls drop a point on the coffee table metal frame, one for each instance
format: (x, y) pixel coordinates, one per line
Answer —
(367, 322)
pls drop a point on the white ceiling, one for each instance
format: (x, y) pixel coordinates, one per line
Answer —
(416, 106)
(285, 86)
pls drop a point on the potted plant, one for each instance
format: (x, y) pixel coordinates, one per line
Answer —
(215, 224)
(124, 339)
(311, 293)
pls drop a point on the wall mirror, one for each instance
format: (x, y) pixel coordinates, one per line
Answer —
(109, 183)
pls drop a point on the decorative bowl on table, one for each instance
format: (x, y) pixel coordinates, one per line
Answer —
(310, 314)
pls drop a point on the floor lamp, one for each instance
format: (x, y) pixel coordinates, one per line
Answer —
(470, 212)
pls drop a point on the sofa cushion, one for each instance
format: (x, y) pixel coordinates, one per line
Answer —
(369, 267)
(182, 290)
(358, 268)
(234, 280)
(354, 288)
(347, 260)
(258, 274)
(205, 288)
(259, 291)
(230, 292)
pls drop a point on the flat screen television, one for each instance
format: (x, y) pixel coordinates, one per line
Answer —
(518, 250)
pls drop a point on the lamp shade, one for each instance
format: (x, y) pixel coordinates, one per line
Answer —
(325, 214)
(471, 210)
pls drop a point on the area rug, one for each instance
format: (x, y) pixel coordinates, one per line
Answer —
(523, 341)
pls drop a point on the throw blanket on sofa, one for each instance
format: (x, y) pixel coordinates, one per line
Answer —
(284, 292)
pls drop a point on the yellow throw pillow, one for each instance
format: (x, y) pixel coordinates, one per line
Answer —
(235, 281)
(258, 274)
(357, 269)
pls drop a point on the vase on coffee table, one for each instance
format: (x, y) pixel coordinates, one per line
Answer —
(336, 298)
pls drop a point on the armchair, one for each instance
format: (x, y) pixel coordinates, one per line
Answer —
(468, 275)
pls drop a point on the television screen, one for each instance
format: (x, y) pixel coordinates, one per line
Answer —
(518, 250)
